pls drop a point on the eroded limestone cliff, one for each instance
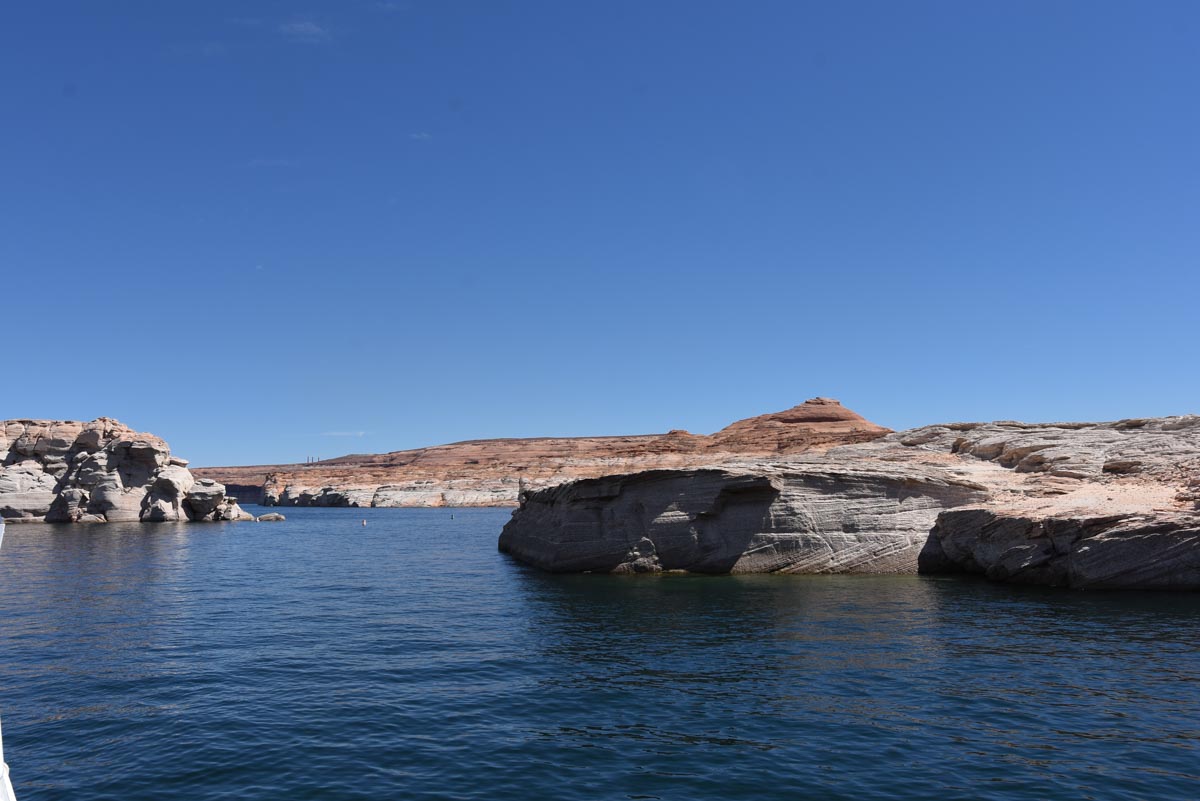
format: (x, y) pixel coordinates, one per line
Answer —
(103, 471)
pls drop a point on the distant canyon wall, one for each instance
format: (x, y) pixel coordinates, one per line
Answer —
(496, 472)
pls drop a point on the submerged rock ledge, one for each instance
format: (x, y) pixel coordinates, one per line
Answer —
(1065, 504)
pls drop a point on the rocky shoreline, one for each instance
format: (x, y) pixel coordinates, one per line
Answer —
(66, 471)
(1065, 504)
(813, 489)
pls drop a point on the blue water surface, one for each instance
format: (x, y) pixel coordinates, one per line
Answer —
(320, 659)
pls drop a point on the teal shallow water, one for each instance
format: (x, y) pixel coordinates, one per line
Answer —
(317, 659)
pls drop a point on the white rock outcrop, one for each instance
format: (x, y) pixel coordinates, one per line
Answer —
(421, 493)
(65, 471)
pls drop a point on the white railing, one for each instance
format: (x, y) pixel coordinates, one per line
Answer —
(6, 790)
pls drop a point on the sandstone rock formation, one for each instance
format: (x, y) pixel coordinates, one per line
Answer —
(762, 518)
(1104, 504)
(102, 471)
(816, 422)
(494, 472)
(1071, 504)
(1134, 551)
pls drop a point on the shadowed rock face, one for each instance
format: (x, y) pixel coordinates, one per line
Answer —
(755, 519)
(1071, 504)
(1157, 552)
(493, 472)
(65, 471)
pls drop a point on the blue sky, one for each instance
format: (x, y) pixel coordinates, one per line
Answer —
(272, 230)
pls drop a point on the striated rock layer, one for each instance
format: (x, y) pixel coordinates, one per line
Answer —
(818, 518)
(1069, 504)
(494, 472)
(103, 471)
(1134, 551)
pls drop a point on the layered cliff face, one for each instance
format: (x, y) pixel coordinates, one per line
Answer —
(1071, 504)
(495, 472)
(103, 471)
(756, 518)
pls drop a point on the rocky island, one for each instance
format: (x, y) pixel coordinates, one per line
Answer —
(66, 471)
(1069, 504)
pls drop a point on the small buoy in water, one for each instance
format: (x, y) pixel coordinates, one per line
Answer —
(364, 522)
(451, 517)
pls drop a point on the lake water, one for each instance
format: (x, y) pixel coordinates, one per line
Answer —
(317, 659)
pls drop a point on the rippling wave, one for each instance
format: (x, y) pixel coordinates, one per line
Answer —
(318, 659)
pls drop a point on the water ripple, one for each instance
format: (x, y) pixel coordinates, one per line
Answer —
(317, 659)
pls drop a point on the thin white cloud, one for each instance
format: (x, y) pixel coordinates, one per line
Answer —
(343, 433)
(304, 31)
(420, 136)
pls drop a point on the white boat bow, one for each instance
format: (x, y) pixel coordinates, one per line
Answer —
(6, 790)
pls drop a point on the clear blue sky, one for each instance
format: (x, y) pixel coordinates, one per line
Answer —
(259, 229)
